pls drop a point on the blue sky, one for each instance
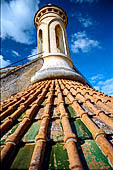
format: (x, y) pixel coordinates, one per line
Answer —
(89, 31)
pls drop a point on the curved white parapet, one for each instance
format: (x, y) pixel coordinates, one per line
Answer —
(60, 72)
(57, 65)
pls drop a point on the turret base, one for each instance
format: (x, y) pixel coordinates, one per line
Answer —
(58, 72)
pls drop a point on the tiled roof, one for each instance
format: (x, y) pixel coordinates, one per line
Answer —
(57, 124)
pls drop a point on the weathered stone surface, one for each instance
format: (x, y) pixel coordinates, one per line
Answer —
(18, 80)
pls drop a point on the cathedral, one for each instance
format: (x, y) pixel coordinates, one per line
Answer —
(51, 117)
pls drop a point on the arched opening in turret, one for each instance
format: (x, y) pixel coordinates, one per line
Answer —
(40, 42)
(59, 39)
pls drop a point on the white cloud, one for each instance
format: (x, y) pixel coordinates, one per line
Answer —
(17, 20)
(3, 63)
(81, 1)
(33, 52)
(81, 42)
(93, 79)
(15, 53)
(105, 86)
(86, 22)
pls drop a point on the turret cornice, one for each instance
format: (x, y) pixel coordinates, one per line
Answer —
(50, 9)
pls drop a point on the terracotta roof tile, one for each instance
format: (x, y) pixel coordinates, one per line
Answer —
(57, 113)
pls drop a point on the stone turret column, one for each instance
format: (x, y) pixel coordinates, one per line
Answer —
(50, 22)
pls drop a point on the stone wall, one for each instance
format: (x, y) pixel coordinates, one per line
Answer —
(18, 79)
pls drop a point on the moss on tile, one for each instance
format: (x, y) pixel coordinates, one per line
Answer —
(93, 156)
(71, 111)
(3, 120)
(23, 158)
(80, 129)
(9, 133)
(58, 157)
(20, 117)
(31, 133)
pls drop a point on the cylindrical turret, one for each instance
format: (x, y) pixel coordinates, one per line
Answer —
(50, 22)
